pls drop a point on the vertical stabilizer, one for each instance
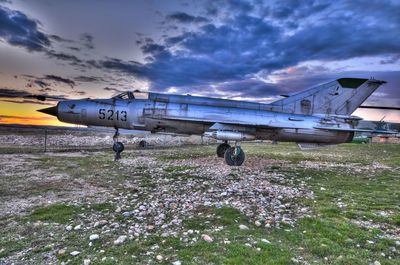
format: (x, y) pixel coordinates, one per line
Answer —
(341, 97)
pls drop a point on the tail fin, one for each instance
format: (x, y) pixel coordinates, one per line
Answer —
(342, 97)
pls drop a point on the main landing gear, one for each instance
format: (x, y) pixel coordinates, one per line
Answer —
(118, 147)
(234, 156)
(222, 148)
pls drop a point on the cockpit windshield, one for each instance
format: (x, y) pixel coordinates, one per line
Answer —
(132, 95)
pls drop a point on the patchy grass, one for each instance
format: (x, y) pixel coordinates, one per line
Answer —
(355, 211)
(58, 213)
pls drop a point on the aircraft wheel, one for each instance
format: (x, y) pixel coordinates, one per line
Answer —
(118, 147)
(142, 144)
(234, 156)
(221, 149)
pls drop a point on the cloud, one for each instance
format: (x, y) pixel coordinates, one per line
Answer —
(59, 79)
(391, 60)
(87, 40)
(2, 117)
(59, 39)
(64, 57)
(248, 42)
(19, 30)
(13, 93)
(7, 93)
(89, 79)
(26, 101)
(41, 83)
(183, 17)
(112, 89)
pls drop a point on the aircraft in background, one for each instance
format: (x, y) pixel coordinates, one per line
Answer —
(315, 117)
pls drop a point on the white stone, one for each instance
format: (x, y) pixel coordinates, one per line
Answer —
(257, 223)
(78, 227)
(159, 257)
(75, 253)
(377, 262)
(178, 262)
(243, 227)
(265, 241)
(86, 261)
(93, 237)
(120, 240)
(118, 210)
(207, 238)
(68, 228)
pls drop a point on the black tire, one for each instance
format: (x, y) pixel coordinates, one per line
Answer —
(118, 147)
(142, 144)
(221, 149)
(233, 159)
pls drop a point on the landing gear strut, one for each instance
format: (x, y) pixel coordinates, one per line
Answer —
(234, 156)
(118, 147)
(222, 148)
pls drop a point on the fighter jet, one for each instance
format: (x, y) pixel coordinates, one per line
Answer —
(315, 117)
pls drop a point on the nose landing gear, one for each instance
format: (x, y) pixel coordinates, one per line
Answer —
(118, 147)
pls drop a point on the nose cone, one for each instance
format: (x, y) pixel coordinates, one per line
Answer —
(51, 111)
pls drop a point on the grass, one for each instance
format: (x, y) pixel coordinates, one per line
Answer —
(58, 213)
(354, 211)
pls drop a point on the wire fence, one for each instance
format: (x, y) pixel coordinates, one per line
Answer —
(28, 140)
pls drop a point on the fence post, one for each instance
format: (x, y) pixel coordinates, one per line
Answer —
(45, 140)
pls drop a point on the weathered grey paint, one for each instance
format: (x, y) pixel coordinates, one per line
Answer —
(304, 117)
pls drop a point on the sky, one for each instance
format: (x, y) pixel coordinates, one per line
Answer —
(238, 49)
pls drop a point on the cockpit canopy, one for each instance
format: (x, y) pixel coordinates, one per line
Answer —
(132, 95)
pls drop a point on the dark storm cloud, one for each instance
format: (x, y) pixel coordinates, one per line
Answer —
(19, 30)
(248, 41)
(60, 79)
(186, 18)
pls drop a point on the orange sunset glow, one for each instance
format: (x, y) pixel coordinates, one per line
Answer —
(26, 114)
